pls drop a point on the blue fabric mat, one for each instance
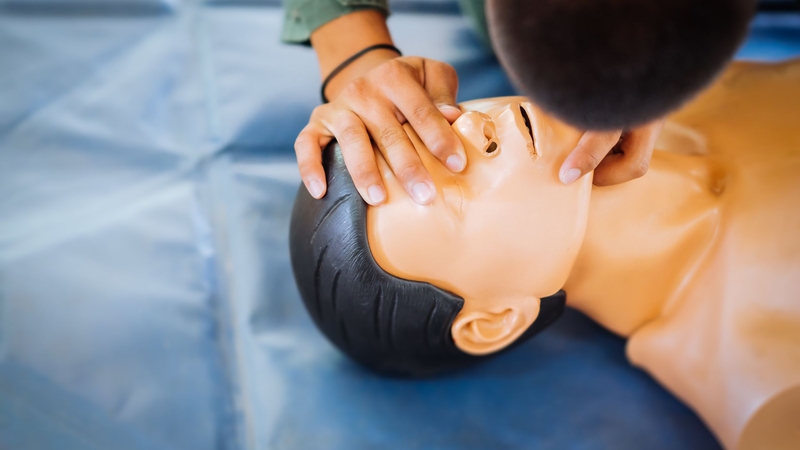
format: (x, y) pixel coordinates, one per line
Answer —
(146, 298)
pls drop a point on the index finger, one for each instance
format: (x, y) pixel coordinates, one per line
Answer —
(415, 103)
(308, 147)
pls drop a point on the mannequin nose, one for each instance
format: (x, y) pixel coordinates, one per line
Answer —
(478, 133)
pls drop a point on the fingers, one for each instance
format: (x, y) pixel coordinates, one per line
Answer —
(633, 160)
(358, 154)
(374, 107)
(587, 155)
(401, 155)
(424, 106)
(308, 147)
(382, 123)
(592, 153)
(359, 157)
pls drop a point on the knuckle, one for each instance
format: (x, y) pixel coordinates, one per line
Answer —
(319, 109)
(408, 62)
(351, 134)
(362, 171)
(408, 172)
(390, 136)
(303, 142)
(451, 76)
(422, 114)
(299, 146)
(609, 140)
(450, 70)
(445, 70)
(302, 139)
(356, 88)
(443, 147)
(305, 167)
(393, 68)
(592, 160)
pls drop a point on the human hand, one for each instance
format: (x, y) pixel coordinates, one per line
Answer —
(615, 156)
(375, 105)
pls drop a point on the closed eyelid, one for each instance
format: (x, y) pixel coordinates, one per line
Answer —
(528, 124)
(527, 121)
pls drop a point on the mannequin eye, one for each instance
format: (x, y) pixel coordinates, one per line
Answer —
(527, 123)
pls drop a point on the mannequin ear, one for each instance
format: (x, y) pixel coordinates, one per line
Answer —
(482, 332)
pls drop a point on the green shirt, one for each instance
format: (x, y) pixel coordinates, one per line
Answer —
(301, 17)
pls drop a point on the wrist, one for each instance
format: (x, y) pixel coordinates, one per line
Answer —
(356, 69)
(344, 36)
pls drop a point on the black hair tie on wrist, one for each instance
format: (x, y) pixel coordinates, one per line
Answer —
(349, 60)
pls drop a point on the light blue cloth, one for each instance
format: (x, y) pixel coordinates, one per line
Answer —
(146, 298)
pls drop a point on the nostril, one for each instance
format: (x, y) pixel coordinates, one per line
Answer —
(477, 131)
(490, 148)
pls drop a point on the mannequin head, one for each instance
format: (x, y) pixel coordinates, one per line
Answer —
(502, 234)
(403, 313)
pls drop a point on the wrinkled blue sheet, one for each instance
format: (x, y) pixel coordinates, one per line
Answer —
(146, 298)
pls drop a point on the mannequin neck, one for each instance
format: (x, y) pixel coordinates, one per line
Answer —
(643, 238)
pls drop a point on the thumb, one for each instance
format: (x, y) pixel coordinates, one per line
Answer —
(590, 151)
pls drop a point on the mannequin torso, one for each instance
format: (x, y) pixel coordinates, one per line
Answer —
(716, 318)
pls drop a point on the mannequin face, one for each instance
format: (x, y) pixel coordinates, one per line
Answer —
(502, 234)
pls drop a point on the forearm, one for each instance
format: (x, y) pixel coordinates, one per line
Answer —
(302, 17)
(341, 38)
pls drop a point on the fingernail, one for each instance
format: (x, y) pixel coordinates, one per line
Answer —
(451, 113)
(455, 163)
(569, 176)
(450, 108)
(376, 194)
(315, 188)
(422, 193)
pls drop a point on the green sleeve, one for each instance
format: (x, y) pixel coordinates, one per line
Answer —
(301, 17)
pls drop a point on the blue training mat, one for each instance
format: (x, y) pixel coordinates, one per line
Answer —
(146, 297)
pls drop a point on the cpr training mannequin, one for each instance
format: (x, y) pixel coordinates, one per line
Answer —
(697, 263)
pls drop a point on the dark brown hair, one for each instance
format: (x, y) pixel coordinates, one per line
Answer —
(610, 64)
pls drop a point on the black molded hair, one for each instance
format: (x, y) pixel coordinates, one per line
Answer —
(388, 324)
(610, 64)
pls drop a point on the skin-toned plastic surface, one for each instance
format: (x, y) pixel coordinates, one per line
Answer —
(697, 263)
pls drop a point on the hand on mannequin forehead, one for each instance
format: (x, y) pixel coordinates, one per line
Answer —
(382, 98)
(697, 263)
